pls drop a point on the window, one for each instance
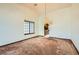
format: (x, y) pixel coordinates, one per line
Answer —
(29, 27)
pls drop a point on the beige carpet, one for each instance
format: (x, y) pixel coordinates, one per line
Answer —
(40, 46)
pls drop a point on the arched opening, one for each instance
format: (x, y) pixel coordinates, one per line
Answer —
(46, 29)
(46, 26)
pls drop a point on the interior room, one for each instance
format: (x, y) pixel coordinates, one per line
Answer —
(39, 28)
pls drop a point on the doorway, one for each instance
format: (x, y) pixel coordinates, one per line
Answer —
(46, 29)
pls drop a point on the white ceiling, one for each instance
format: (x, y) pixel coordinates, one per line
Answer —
(40, 8)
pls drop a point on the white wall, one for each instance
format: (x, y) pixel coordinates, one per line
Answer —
(65, 24)
(61, 26)
(41, 25)
(12, 23)
(75, 24)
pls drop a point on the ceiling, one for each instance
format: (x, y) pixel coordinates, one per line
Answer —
(40, 7)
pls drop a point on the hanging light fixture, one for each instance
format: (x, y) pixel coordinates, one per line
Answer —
(46, 18)
(47, 21)
(45, 9)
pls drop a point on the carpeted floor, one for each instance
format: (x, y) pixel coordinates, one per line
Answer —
(40, 46)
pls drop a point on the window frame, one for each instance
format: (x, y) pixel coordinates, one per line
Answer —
(30, 27)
